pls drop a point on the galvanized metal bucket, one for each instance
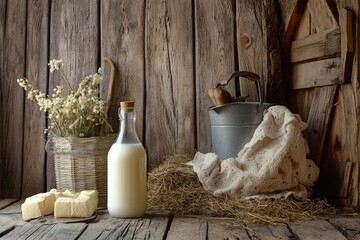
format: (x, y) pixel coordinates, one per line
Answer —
(233, 124)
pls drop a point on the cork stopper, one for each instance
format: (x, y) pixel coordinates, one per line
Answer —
(127, 106)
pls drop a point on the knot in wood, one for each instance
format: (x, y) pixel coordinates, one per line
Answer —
(245, 40)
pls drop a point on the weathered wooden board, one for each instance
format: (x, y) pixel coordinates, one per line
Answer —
(122, 40)
(348, 225)
(13, 208)
(319, 229)
(6, 202)
(170, 98)
(322, 17)
(322, 44)
(268, 232)
(258, 47)
(347, 43)
(215, 58)
(344, 134)
(217, 229)
(319, 120)
(2, 109)
(316, 74)
(187, 229)
(34, 163)
(71, 41)
(12, 99)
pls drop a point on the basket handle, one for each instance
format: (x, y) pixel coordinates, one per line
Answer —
(248, 75)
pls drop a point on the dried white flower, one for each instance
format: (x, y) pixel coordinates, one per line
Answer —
(77, 114)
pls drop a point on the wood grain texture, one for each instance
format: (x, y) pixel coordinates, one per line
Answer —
(217, 230)
(272, 77)
(122, 40)
(34, 162)
(348, 225)
(322, 17)
(264, 231)
(170, 113)
(316, 74)
(319, 45)
(187, 229)
(215, 58)
(2, 109)
(347, 44)
(250, 44)
(319, 229)
(74, 38)
(13, 99)
(258, 43)
(319, 121)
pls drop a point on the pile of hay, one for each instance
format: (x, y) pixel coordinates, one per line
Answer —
(174, 186)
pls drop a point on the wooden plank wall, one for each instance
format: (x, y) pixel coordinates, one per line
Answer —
(167, 54)
(341, 143)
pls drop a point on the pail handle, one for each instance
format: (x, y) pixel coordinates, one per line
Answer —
(245, 74)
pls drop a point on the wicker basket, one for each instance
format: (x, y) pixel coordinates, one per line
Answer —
(81, 164)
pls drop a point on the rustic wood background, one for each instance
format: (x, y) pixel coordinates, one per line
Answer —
(167, 54)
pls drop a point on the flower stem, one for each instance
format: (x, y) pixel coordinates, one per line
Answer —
(65, 79)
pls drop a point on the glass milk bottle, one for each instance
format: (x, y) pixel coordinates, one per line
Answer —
(127, 187)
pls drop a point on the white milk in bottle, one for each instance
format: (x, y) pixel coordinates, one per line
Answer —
(127, 179)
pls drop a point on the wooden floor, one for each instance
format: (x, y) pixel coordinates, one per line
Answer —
(166, 226)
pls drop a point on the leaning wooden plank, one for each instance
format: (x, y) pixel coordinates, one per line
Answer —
(316, 74)
(12, 99)
(218, 229)
(169, 53)
(319, 45)
(34, 180)
(122, 40)
(266, 231)
(187, 229)
(321, 15)
(348, 225)
(319, 120)
(320, 230)
(215, 58)
(6, 202)
(347, 44)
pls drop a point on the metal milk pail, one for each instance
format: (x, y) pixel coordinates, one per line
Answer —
(233, 124)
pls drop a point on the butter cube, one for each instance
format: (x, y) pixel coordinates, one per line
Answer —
(38, 205)
(83, 205)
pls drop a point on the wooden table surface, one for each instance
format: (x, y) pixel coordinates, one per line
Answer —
(166, 226)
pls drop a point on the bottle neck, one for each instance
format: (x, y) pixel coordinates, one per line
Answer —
(127, 133)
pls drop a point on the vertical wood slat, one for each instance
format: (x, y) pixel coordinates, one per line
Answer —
(122, 40)
(259, 48)
(2, 109)
(215, 58)
(249, 43)
(169, 78)
(13, 98)
(34, 164)
(74, 37)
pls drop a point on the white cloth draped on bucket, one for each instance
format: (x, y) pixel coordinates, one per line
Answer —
(272, 165)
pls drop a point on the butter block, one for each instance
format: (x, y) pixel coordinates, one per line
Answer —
(83, 205)
(38, 205)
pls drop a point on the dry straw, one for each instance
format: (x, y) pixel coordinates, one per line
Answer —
(174, 186)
